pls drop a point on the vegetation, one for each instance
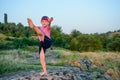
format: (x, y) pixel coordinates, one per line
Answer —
(16, 60)
(17, 42)
(19, 36)
(105, 62)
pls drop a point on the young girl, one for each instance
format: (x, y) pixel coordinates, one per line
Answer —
(43, 33)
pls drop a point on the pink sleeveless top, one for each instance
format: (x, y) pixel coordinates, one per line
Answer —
(45, 31)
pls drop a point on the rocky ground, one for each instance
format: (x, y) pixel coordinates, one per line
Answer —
(57, 73)
(77, 70)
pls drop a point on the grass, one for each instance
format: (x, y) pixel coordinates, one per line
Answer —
(61, 57)
(57, 64)
(104, 62)
(15, 60)
(108, 59)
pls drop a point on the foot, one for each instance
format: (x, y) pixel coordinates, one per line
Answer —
(30, 22)
(43, 73)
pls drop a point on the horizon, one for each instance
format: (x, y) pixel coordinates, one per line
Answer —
(89, 16)
(62, 29)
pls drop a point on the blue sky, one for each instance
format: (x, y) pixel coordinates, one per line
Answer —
(87, 16)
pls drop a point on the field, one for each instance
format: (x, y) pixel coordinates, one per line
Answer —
(16, 56)
(21, 60)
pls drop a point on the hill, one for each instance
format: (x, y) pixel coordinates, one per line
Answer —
(24, 37)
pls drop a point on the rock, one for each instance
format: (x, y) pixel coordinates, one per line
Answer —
(84, 64)
(58, 73)
(97, 64)
(107, 77)
(82, 71)
(113, 73)
(110, 72)
(63, 75)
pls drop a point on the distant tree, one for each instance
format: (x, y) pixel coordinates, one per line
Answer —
(104, 40)
(88, 43)
(20, 30)
(75, 33)
(66, 41)
(74, 44)
(27, 32)
(114, 43)
(56, 33)
(5, 18)
(20, 25)
(1, 27)
(73, 41)
(118, 30)
(12, 29)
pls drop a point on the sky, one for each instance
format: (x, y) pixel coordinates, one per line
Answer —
(87, 16)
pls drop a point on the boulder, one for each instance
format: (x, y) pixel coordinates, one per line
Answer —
(84, 64)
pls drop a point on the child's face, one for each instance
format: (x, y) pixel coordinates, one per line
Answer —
(44, 23)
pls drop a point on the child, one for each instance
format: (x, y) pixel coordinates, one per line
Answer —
(43, 33)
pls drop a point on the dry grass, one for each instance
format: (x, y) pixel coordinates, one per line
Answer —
(106, 62)
(101, 56)
(109, 62)
(14, 60)
(2, 35)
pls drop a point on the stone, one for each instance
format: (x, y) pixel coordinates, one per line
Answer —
(62, 75)
(84, 64)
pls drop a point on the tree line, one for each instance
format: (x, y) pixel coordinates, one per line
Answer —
(76, 41)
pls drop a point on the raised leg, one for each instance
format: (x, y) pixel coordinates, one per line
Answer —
(35, 28)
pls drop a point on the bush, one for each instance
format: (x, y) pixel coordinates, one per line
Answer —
(114, 44)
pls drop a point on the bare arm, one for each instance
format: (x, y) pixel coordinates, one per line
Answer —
(50, 20)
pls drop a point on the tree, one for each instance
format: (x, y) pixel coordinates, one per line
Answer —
(1, 27)
(75, 33)
(56, 33)
(20, 25)
(74, 44)
(104, 40)
(88, 43)
(5, 18)
(114, 43)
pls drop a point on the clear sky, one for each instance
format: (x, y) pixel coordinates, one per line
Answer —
(87, 16)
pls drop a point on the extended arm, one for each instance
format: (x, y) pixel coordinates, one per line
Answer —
(50, 20)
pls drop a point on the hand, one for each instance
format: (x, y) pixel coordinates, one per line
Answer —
(30, 22)
(50, 19)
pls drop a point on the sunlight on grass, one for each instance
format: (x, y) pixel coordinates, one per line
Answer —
(15, 60)
(103, 62)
